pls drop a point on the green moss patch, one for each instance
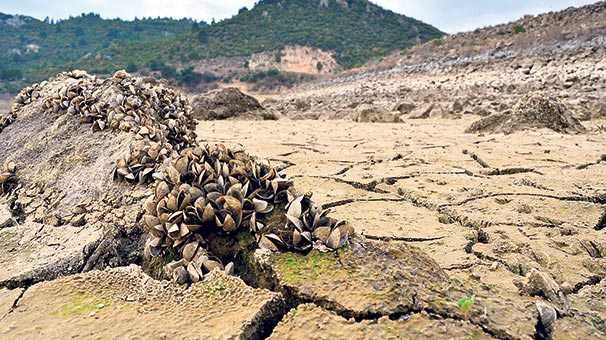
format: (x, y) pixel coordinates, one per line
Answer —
(81, 305)
(296, 269)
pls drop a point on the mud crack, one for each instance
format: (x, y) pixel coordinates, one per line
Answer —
(601, 222)
(15, 304)
(597, 199)
(403, 239)
(356, 200)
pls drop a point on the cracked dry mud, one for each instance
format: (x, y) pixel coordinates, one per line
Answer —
(409, 184)
(125, 302)
(435, 229)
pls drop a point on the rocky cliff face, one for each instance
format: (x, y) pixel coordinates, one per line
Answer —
(298, 59)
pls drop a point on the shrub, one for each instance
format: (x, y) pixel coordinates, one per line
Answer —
(519, 29)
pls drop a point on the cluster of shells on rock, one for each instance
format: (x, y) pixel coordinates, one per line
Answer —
(307, 227)
(126, 103)
(212, 190)
(27, 95)
(24, 97)
(158, 115)
(200, 192)
(144, 159)
(8, 179)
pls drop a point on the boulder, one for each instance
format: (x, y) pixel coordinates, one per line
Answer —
(405, 107)
(369, 113)
(533, 111)
(422, 112)
(228, 103)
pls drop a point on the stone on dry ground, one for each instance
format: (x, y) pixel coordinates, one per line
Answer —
(34, 252)
(6, 217)
(228, 103)
(589, 306)
(311, 322)
(412, 183)
(125, 302)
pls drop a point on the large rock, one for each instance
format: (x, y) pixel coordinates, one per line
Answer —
(369, 113)
(311, 322)
(422, 112)
(228, 103)
(531, 112)
(126, 303)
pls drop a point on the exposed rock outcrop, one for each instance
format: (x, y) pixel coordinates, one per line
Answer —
(531, 112)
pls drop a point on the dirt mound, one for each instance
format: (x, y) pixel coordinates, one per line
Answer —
(531, 112)
(63, 161)
(228, 103)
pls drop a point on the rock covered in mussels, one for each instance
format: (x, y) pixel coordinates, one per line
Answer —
(158, 115)
(213, 190)
(6, 120)
(201, 193)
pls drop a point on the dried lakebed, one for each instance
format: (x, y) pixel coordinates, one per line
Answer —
(450, 247)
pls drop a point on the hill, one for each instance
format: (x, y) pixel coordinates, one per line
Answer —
(483, 72)
(354, 30)
(32, 49)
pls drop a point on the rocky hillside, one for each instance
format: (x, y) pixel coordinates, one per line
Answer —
(487, 71)
(353, 31)
(554, 34)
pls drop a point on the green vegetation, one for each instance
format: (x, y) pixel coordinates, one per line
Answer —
(466, 303)
(519, 29)
(216, 288)
(356, 32)
(272, 79)
(32, 50)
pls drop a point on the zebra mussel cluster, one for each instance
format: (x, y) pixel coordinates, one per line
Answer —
(125, 103)
(213, 190)
(159, 116)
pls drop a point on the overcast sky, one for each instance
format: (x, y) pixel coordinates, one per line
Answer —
(448, 15)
